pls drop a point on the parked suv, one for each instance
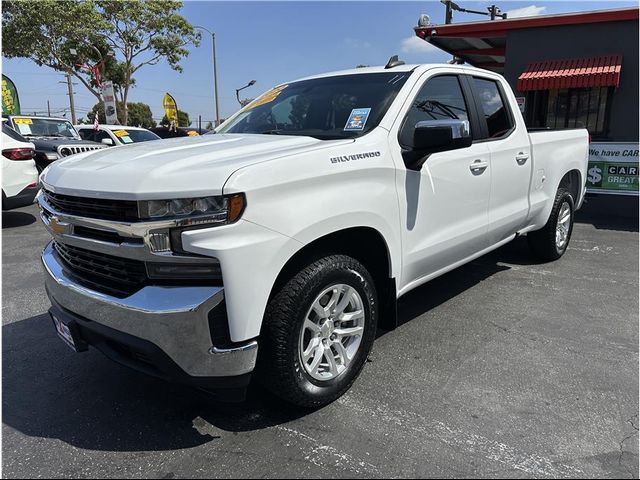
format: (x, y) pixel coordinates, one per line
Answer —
(53, 138)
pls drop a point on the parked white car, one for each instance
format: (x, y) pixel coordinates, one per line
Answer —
(115, 134)
(297, 225)
(19, 173)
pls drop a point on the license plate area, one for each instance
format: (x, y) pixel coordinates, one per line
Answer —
(68, 333)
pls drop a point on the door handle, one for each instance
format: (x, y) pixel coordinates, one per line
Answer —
(522, 158)
(478, 167)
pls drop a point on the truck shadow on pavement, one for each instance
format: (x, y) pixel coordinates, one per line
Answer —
(16, 219)
(90, 402)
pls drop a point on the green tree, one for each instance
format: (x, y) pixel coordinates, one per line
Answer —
(122, 36)
(183, 120)
(139, 114)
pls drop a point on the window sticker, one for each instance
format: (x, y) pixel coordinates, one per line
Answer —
(22, 121)
(268, 97)
(126, 139)
(121, 133)
(23, 128)
(357, 119)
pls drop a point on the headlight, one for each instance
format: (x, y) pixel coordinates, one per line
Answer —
(193, 211)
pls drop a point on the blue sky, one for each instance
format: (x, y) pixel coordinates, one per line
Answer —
(274, 42)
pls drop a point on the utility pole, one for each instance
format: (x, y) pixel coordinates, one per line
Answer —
(448, 15)
(48, 109)
(71, 103)
(215, 78)
(215, 71)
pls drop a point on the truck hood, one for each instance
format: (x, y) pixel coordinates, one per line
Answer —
(172, 168)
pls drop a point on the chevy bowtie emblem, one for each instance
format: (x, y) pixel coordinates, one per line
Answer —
(57, 226)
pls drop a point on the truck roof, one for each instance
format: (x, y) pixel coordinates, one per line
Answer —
(397, 69)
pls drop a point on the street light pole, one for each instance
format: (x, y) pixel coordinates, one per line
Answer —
(238, 90)
(215, 71)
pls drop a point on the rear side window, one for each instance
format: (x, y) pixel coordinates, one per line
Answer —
(440, 98)
(494, 108)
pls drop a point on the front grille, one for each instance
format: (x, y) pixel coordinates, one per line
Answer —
(105, 273)
(66, 150)
(118, 210)
(104, 235)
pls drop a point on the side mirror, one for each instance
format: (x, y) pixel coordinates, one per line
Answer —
(432, 136)
(107, 141)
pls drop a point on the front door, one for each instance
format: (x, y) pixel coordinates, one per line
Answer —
(444, 205)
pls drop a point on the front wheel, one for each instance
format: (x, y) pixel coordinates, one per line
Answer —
(318, 331)
(551, 241)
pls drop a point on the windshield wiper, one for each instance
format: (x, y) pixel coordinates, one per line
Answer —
(273, 132)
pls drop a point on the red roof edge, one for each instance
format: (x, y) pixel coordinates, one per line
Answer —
(500, 27)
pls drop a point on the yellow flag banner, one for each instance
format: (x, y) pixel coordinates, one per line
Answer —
(170, 108)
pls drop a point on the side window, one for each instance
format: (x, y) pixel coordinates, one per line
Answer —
(439, 99)
(494, 108)
(86, 134)
(100, 135)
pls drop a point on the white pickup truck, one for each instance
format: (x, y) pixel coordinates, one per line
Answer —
(278, 245)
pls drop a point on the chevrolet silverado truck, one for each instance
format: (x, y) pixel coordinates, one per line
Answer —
(278, 245)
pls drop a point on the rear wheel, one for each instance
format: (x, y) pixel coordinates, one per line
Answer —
(550, 242)
(319, 329)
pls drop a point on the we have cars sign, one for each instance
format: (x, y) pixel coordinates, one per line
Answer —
(613, 168)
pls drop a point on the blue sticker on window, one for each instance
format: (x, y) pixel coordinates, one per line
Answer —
(357, 119)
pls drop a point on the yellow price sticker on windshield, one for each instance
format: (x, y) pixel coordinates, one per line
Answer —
(121, 133)
(22, 121)
(268, 97)
(192, 133)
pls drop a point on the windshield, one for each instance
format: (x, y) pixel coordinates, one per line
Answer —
(43, 127)
(343, 106)
(135, 136)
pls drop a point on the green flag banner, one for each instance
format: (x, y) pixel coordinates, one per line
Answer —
(10, 100)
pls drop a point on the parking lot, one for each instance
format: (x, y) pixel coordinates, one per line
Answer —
(503, 368)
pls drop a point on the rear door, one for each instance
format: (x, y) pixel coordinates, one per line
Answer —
(444, 205)
(506, 137)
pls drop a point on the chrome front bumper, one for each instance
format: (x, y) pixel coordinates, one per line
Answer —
(175, 319)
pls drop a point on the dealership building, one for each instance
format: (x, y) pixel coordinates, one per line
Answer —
(567, 71)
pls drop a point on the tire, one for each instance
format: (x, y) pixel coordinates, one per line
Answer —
(546, 243)
(284, 341)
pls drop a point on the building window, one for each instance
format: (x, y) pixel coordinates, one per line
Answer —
(571, 108)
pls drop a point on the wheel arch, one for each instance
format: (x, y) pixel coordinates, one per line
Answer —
(572, 180)
(365, 244)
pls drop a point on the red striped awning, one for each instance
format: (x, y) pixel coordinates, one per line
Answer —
(601, 71)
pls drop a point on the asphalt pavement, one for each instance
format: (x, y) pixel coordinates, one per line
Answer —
(503, 368)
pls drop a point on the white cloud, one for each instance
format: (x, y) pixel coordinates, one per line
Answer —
(356, 43)
(417, 45)
(530, 11)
